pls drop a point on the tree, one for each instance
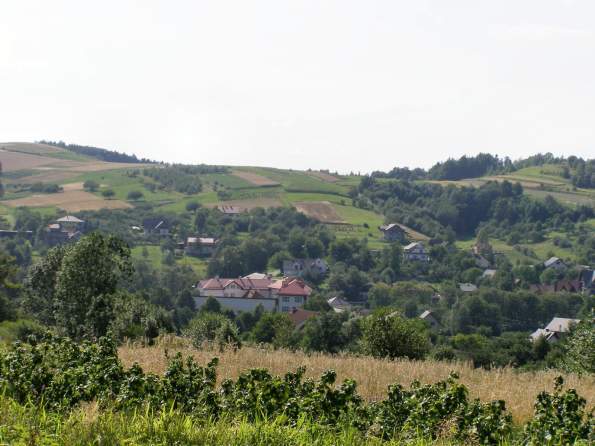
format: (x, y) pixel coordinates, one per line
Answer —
(273, 328)
(211, 305)
(389, 335)
(74, 286)
(323, 333)
(135, 195)
(580, 354)
(204, 327)
(91, 185)
(108, 193)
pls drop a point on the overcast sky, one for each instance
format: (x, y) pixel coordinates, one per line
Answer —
(344, 85)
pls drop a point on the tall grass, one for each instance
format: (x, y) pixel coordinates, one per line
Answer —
(373, 376)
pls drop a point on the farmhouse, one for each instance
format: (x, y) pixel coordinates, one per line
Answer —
(156, 226)
(392, 232)
(64, 230)
(554, 263)
(428, 317)
(339, 305)
(299, 316)
(415, 252)
(301, 267)
(555, 330)
(245, 293)
(230, 210)
(200, 246)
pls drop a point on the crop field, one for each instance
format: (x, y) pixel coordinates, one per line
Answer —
(323, 211)
(69, 200)
(254, 178)
(323, 176)
(12, 161)
(294, 181)
(373, 376)
(248, 204)
(31, 148)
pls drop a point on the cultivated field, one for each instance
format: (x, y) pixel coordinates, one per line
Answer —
(33, 148)
(323, 176)
(323, 211)
(373, 376)
(69, 200)
(13, 161)
(255, 179)
(249, 203)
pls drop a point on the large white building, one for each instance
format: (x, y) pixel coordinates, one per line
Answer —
(247, 293)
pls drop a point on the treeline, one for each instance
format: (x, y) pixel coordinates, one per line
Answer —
(96, 152)
(581, 172)
(444, 212)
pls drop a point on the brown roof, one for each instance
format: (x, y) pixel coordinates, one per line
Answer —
(299, 316)
(291, 287)
(243, 283)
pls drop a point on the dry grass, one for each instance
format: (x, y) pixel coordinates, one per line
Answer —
(47, 176)
(69, 200)
(12, 161)
(323, 211)
(373, 376)
(33, 148)
(255, 179)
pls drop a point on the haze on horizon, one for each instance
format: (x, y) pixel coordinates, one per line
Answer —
(342, 85)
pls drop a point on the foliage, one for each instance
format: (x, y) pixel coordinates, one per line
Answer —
(389, 335)
(579, 348)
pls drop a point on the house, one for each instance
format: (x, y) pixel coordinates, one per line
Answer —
(428, 317)
(568, 286)
(587, 280)
(64, 230)
(257, 276)
(301, 267)
(392, 232)
(415, 252)
(156, 226)
(200, 246)
(467, 287)
(339, 305)
(555, 330)
(555, 263)
(292, 292)
(489, 274)
(299, 316)
(230, 210)
(4, 233)
(246, 293)
(481, 262)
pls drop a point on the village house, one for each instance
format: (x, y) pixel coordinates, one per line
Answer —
(339, 305)
(156, 226)
(200, 246)
(392, 232)
(301, 267)
(245, 293)
(428, 316)
(415, 252)
(299, 317)
(555, 330)
(64, 230)
(561, 286)
(587, 280)
(554, 263)
(230, 210)
(467, 287)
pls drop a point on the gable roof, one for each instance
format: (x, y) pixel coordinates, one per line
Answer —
(202, 240)
(390, 227)
(243, 283)
(467, 287)
(561, 324)
(299, 316)
(257, 276)
(542, 332)
(70, 219)
(413, 245)
(551, 261)
(291, 287)
(489, 273)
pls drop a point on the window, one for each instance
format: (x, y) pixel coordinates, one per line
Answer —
(285, 299)
(285, 309)
(298, 299)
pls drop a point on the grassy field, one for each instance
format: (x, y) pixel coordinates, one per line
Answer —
(155, 259)
(538, 182)
(373, 376)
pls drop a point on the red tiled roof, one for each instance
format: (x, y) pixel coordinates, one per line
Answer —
(299, 316)
(245, 284)
(292, 287)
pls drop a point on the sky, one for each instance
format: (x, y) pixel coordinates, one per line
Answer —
(341, 85)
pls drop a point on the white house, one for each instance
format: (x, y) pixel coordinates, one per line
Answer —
(339, 305)
(415, 252)
(554, 331)
(299, 267)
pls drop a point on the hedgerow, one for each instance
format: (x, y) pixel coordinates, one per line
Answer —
(59, 374)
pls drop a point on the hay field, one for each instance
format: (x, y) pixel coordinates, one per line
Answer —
(373, 376)
(323, 176)
(254, 178)
(70, 200)
(32, 148)
(12, 161)
(323, 211)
